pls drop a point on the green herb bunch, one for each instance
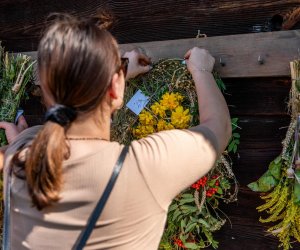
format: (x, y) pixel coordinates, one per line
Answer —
(15, 73)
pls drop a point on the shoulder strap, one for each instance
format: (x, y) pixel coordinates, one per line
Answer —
(6, 217)
(85, 234)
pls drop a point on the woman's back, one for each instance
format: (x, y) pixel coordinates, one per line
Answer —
(135, 213)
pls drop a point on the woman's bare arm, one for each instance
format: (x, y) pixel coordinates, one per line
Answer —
(213, 109)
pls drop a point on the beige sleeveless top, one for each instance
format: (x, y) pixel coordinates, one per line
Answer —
(155, 170)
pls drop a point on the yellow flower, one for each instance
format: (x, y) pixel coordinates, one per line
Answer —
(163, 125)
(171, 100)
(158, 109)
(148, 123)
(142, 131)
(145, 118)
(180, 118)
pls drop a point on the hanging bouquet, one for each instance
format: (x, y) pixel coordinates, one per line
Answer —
(15, 73)
(281, 183)
(164, 99)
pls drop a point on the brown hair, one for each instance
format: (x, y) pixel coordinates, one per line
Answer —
(76, 62)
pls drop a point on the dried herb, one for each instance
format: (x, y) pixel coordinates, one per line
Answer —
(282, 203)
(15, 73)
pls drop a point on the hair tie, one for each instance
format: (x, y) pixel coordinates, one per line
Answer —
(61, 114)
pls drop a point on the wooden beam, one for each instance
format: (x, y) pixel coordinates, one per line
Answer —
(250, 55)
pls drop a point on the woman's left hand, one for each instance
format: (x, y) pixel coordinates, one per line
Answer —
(138, 63)
(12, 130)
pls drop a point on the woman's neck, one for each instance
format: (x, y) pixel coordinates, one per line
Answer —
(91, 126)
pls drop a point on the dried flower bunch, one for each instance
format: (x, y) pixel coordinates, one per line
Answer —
(281, 183)
(15, 73)
(194, 214)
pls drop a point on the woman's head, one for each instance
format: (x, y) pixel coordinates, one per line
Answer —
(79, 69)
(76, 63)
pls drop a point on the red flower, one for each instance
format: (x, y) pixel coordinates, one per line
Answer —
(200, 183)
(210, 192)
(179, 243)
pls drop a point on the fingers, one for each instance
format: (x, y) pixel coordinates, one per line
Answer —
(187, 54)
(145, 69)
(5, 125)
(22, 123)
(144, 60)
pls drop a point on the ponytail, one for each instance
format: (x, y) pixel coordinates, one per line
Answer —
(43, 161)
(43, 165)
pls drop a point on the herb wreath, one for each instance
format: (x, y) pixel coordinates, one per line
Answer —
(194, 214)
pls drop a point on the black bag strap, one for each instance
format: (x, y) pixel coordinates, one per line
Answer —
(6, 217)
(85, 234)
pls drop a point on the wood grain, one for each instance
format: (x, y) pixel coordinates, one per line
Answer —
(21, 21)
(240, 53)
(257, 96)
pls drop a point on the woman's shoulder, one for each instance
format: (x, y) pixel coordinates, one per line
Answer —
(23, 138)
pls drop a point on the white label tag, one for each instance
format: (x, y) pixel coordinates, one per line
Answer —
(138, 102)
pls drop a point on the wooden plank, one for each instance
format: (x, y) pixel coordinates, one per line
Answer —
(246, 231)
(21, 21)
(257, 96)
(239, 53)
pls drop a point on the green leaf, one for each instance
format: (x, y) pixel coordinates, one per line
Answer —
(183, 237)
(190, 245)
(230, 147)
(187, 196)
(182, 224)
(269, 179)
(236, 135)
(234, 148)
(201, 244)
(176, 214)
(275, 169)
(215, 244)
(173, 207)
(204, 223)
(186, 200)
(296, 194)
(188, 208)
(234, 120)
(220, 191)
(277, 159)
(264, 184)
(190, 227)
(224, 183)
(208, 235)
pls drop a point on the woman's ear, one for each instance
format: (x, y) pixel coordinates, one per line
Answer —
(114, 86)
(116, 89)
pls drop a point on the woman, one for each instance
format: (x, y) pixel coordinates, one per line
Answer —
(60, 169)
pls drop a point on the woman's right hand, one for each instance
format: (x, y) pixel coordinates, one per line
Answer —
(199, 60)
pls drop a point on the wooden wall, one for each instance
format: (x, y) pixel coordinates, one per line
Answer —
(259, 103)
